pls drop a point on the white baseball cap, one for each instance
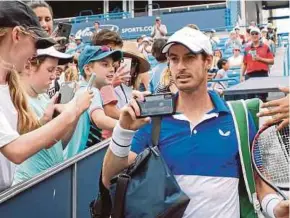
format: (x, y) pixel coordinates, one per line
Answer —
(264, 30)
(52, 52)
(193, 39)
(255, 29)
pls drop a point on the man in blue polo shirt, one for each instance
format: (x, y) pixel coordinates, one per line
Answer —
(199, 143)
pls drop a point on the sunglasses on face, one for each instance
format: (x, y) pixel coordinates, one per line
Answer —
(253, 34)
(236, 49)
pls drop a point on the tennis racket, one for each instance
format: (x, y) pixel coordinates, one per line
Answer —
(270, 156)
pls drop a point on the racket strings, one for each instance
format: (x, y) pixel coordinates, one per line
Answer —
(271, 154)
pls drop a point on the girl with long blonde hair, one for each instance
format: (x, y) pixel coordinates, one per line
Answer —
(19, 39)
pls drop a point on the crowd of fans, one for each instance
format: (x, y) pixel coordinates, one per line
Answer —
(34, 71)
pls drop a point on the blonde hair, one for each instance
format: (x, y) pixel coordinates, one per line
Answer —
(71, 74)
(27, 120)
(166, 79)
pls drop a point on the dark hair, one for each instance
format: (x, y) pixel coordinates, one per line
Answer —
(97, 22)
(105, 37)
(157, 49)
(220, 51)
(221, 63)
(40, 4)
(248, 30)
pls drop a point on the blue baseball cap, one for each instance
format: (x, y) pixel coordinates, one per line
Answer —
(97, 53)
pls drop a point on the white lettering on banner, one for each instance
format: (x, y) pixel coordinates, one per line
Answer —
(89, 31)
(137, 29)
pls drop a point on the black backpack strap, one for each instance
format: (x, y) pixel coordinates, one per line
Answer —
(123, 179)
(121, 189)
(102, 206)
(155, 132)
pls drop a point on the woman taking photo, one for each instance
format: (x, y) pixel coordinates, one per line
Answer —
(19, 38)
(139, 66)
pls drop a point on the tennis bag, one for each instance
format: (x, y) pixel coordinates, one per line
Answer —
(147, 189)
(249, 204)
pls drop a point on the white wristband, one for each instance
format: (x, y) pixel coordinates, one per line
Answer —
(269, 202)
(121, 140)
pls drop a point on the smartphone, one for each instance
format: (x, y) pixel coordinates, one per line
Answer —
(127, 62)
(91, 81)
(253, 53)
(56, 113)
(63, 30)
(157, 105)
(67, 92)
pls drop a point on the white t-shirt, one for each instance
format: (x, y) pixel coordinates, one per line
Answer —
(236, 61)
(156, 34)
(8, 133)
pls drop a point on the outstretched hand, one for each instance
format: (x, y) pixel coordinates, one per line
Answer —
(278, 109)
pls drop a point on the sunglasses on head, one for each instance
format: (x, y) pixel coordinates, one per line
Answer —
(105, 48)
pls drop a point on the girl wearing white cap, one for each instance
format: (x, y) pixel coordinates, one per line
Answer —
(37, 76)
(17, 44)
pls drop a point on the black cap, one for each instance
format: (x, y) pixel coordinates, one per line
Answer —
(17, 13)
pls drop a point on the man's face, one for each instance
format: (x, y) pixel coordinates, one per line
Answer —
(97, 26)
(237, 52)
(158, 22)
(237, 31)
(104, 70)
(189, 71)
(255, 36)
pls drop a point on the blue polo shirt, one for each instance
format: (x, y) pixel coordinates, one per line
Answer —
(204, 158)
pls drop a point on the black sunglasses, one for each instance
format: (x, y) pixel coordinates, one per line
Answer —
(254, 34)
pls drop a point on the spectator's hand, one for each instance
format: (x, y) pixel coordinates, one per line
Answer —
(121, 76)
(80, 103)
(278, 109)
(282, 209)
(48, 113)
(257, 58)
(128, 117)
(242, 79)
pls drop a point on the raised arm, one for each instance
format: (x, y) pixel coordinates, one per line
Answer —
(119, 156)
(46, 136)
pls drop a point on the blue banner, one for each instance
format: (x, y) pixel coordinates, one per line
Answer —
(134, 27)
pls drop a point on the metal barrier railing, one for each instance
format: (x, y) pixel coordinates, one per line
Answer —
(190, 8)
(99, 17)
(63, 191)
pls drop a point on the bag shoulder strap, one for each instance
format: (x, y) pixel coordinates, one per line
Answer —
(240, 116)
(155, 132)
(253, 106)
